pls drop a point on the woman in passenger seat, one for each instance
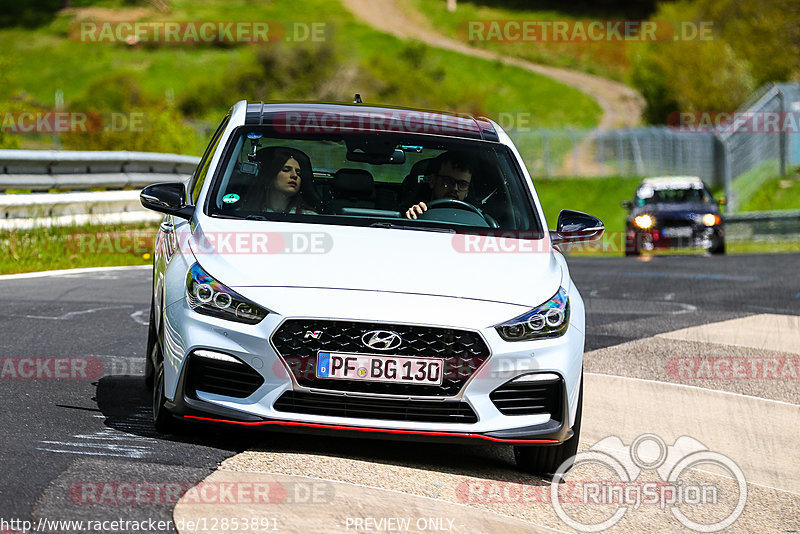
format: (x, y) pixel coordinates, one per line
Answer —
(285, 172)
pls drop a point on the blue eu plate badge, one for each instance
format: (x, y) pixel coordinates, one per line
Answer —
(323, 364)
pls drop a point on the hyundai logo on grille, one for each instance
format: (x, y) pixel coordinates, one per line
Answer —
(381, 340)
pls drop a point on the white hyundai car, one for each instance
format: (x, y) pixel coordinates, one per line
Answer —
(367, 271)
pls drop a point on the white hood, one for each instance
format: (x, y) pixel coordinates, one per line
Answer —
(526, 273)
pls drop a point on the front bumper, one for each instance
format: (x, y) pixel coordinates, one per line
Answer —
(186, 331)
(694, 236)
(185, 407)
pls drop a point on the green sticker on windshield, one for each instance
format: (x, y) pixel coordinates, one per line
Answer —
(230, 198)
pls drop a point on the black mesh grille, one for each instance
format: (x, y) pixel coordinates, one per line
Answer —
(463, 353)
(674, 221)
(377, 408)
(221, 378)
(530, 398)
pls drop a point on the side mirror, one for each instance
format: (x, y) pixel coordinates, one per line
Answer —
(722, 201)
(627, 204)
(575, 226)
(167, 198)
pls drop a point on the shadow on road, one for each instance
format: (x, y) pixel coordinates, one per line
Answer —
(126, 404)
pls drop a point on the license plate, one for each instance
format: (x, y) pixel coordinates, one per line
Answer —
(680, 231)
(367, 367)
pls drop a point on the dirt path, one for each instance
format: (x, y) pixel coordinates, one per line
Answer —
(622, 106)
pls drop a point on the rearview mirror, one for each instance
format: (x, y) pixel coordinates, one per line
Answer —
(396, 156)
(167, 198)
(575, 227)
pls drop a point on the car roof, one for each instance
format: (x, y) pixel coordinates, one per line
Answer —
(673, 182)
(308, 118)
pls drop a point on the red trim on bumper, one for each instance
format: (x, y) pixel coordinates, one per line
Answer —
(364, 429)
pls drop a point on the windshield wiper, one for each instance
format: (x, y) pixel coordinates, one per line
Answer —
(405, 227)
(255, 218)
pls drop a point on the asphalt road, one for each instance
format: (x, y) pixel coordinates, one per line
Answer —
(65, 437)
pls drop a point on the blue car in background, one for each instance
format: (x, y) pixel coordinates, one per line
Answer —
(673, 212)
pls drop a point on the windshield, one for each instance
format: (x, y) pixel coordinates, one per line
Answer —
(649, 195)
(372, 180)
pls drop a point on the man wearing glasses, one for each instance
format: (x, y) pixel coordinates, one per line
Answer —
(450, 176)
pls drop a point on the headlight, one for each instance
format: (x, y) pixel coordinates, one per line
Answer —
(209, 297)
(551, 319)
(708, 219)
(643, 221)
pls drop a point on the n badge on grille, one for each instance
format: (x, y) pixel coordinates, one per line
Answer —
(313, 334)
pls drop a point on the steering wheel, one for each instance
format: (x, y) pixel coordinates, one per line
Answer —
(461, 205)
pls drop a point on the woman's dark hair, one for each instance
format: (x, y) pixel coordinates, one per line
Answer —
(272, 160)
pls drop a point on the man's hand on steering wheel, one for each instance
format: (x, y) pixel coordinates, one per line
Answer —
(416, 209)
(452, 203)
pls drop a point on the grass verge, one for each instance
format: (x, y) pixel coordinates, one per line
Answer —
(70, 247)
(600, 197)
(772, 192)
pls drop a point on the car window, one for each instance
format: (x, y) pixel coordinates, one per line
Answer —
(202, 168)
(648, 195)
(361, 179)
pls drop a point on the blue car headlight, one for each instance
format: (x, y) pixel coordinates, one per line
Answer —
(207, 296)
(551, 319)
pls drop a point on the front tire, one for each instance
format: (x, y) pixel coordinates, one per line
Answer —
(546, 460)
(719, 248)
(152, 347)
(162, 419)
(633, 245)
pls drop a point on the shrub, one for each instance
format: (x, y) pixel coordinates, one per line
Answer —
(690, 75)
(275, 72)
(131, 120)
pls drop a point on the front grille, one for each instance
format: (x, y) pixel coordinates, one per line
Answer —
(530, 398)
(376, 408)
(462, 351)
(674, 221)
(221, 378)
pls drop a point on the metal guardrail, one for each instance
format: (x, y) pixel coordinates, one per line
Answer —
(46, 170)
(763, 225)
(43, 170)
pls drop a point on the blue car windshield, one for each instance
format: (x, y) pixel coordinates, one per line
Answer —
(672, 196)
